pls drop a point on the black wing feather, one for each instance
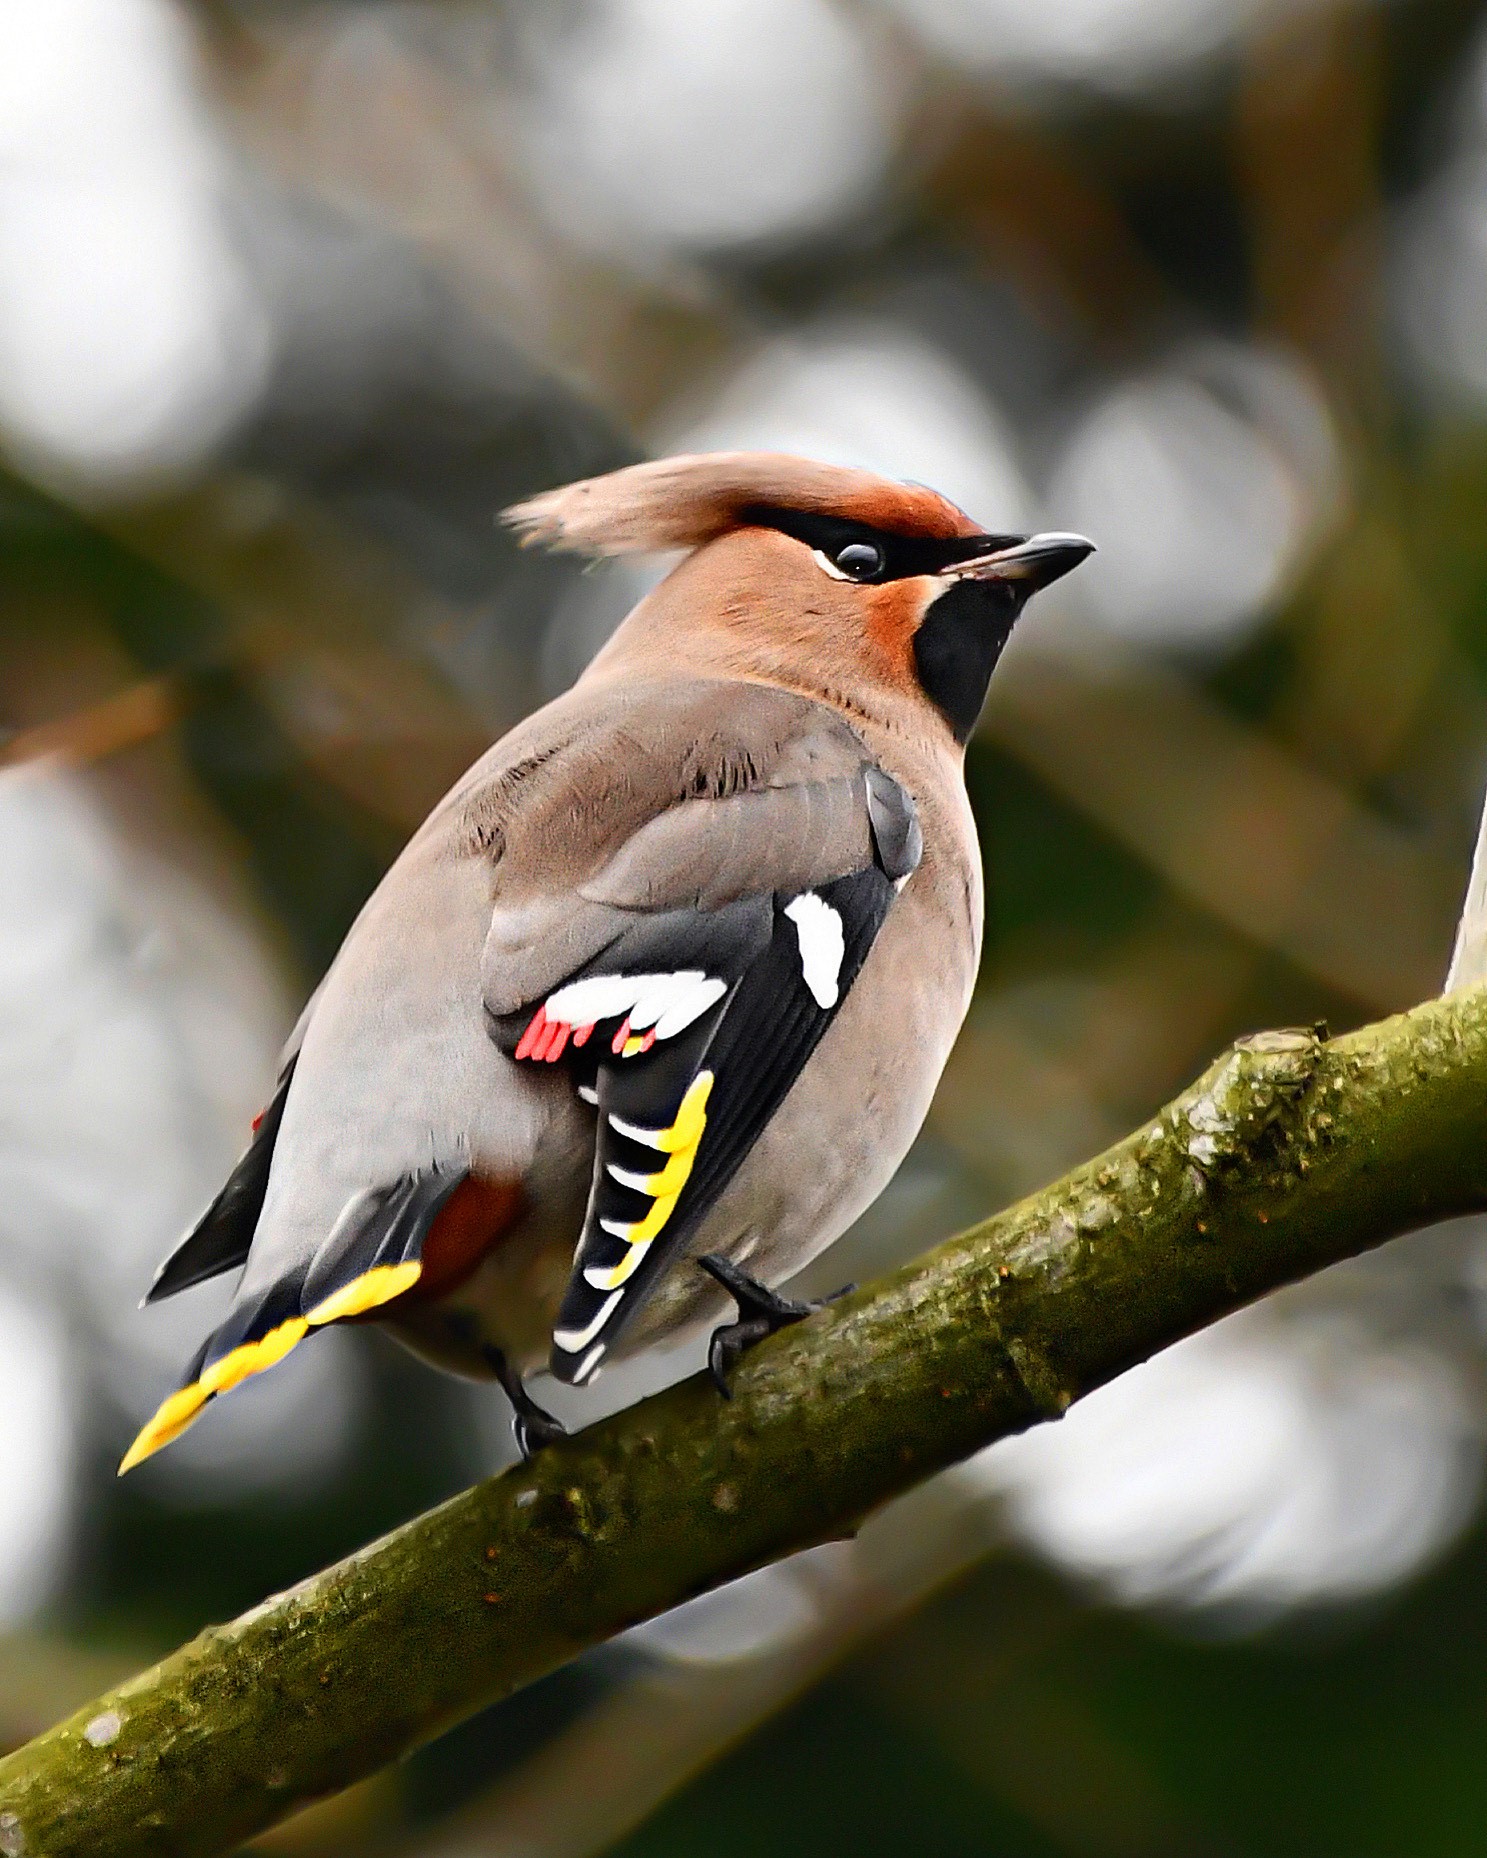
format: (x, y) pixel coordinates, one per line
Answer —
(220, 1240)
(744, 1054)
(771, 1028)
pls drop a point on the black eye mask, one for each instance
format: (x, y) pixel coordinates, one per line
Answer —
(863, 553)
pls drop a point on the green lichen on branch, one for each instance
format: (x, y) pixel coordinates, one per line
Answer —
(1289, 1153)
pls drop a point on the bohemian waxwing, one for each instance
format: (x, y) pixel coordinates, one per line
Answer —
(674, 969)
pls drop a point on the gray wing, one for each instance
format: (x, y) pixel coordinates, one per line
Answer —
(709, 794)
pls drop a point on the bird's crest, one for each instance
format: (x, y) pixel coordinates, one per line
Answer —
(684, 501)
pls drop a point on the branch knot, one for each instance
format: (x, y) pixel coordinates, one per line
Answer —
(1238, 1100)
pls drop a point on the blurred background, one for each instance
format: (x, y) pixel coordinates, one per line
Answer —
(293, 297)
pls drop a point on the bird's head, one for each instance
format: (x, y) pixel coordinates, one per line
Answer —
(832, 581)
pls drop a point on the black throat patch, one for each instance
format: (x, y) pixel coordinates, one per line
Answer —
(958, 644)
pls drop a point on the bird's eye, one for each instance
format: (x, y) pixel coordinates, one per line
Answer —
(860, 561)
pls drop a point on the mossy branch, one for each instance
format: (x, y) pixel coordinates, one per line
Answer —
(1289, 1153)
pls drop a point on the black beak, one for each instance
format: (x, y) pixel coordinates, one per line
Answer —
(1038, 562)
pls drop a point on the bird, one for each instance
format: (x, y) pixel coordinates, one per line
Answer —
(652, 1005)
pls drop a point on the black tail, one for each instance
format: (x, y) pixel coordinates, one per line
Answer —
(221, 1238)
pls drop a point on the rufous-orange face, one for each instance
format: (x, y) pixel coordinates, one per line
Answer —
(831, 581)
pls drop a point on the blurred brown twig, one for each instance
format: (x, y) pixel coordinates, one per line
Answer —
(134, 715)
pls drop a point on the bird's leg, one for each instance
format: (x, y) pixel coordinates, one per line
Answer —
(533, 1425)
(760, 1313)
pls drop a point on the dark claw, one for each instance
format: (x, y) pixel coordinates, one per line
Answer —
(752, 1298)
(535, 1429)
(729, 1342)
(533, 1426)
(760, 1313)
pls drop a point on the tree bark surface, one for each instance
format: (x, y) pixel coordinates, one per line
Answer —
(1291, 1152)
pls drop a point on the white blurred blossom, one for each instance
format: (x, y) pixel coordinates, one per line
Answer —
(1439, 282)
(131, 337)
(1117, 46)
(1205, 483)
(139, 1023)
(873, 394)
(748, 1618)
(699, 127)
(38, 1449)
(1444, 295)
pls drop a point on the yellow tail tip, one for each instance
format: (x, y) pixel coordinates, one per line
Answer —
(377, 1286)
(171, 1419)
(250, 1358)
(174, 1415)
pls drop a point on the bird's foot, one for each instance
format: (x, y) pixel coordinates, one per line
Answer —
(535, 1428)
(533, 1425)
(760, 1313)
